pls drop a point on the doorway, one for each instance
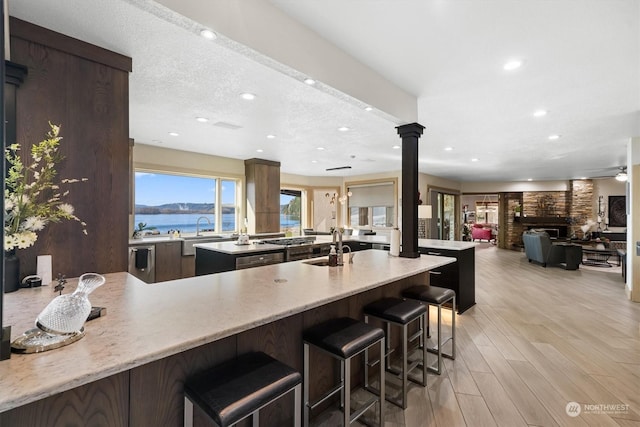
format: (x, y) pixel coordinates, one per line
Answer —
(444, 224)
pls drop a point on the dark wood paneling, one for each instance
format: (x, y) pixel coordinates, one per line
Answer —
(90, 101)
(282, 340)
(28, 31)
(263, 193)
(157, 388)
(168, 261)
(102, 403)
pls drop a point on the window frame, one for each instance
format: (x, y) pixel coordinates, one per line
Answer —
(218, 197)
(392, 181)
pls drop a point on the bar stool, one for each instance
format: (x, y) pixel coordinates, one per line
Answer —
(239, 388)
(433, 295)
(343, 339)
(399, 312)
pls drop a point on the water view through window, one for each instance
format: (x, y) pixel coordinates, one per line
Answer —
(166, 202)
(290, 208)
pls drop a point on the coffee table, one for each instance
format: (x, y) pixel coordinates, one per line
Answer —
(599, 257)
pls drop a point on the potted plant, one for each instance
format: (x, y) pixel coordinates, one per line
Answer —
(138, 232)
(517, 210)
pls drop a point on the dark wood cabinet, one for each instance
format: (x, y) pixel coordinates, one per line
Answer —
(263, 193)
(459, 276)
(358, 246)
(209, 262)
(168, 261)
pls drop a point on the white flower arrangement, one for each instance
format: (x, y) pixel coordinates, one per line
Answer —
(31, 198)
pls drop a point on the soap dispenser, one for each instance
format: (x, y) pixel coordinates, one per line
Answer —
(333, 257)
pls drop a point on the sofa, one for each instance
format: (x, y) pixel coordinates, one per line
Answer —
(481, 232)
(538, 248)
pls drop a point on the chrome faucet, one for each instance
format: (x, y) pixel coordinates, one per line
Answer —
(339, 247)
(351, 254)
(198, 224)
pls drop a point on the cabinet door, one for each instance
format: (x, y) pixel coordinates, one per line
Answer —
(358, 246)
(267, 189)
(168, 261)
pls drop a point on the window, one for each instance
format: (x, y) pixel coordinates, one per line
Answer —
(165, 202)
(290, 212)
(372, 205)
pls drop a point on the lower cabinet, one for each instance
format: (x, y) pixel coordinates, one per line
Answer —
(209, 262)
(459, 276)
(357, 246)
(168, 261)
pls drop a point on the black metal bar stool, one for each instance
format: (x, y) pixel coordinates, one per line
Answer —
(343, 339)
(239, 388)
(433, 295)
(399, 312)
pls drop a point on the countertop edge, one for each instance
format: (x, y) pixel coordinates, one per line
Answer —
(68, 382)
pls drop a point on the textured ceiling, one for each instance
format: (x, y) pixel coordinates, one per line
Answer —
(582, 64)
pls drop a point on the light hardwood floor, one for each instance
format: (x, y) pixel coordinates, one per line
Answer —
(537, 339)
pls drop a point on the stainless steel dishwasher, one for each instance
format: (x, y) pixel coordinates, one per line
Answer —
(142, 263)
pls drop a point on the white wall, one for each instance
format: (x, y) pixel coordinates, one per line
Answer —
(608, 187)
(164, 159)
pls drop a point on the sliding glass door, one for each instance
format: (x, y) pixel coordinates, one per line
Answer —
(444, 223)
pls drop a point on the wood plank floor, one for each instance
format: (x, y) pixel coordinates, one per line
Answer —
(537, 339)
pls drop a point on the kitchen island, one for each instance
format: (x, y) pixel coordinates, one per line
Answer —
(130, 367)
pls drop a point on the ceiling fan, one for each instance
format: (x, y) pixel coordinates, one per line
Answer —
(621, 174)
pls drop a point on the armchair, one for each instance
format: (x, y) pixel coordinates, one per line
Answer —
(538, 247)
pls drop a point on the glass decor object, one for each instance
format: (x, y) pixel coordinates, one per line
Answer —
(62, 320)
(66, 314)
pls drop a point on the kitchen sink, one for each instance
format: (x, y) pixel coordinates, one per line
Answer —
(189, 241)
(323, 262)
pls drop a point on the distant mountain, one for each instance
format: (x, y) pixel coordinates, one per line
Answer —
(181, 208)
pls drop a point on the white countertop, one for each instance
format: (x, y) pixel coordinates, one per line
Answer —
(452, 245)
(147, 322)
(232, 248)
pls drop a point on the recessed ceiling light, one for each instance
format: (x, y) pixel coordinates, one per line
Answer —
(208, 34)
(540, 113)
(554, 137)
(512, 65)
(309, 81)
(174, 134)
(583, 177)
(396, 147)
(248, 96)
(448, 148)
(260, 150)
(270, 136)
(320, 148)
(202, 119)
(530, 179)
(314, 161)
(343, 128)
(368, 108)
(474, 159)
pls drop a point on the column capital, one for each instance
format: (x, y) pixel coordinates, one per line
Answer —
(410, 130)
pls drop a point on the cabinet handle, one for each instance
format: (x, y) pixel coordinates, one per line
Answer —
(435, 273)
(434, 253)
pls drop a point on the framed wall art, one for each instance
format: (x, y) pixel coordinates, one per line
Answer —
(617, 211)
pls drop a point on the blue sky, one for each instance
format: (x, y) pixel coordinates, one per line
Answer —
(154, 189)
